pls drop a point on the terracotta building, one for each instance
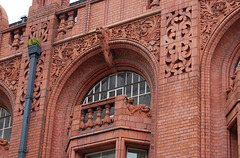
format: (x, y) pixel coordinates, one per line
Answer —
(122, 78)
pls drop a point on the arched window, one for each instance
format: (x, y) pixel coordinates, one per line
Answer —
(5, 124)
(125, 82)
(238, 63)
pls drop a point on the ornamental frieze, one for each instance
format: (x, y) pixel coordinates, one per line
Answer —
(145, 31)
(9, 73)
(178, 58)
(211, 14)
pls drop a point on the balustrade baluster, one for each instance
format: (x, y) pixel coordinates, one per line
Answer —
(89, 123)
(98, 121)
(71, 22)
(107, 115)
(81, 125)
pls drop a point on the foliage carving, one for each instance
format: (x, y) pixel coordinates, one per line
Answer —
(9, 73)
(211, 13)
(145, 31)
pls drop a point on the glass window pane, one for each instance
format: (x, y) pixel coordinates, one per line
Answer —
(135, 78)
(129, 78)
(142, 88)
(90, 99)
(7, 122)
(94, 156)
(1, 123)
(104, 84)
(128, 91)
(145, 99)
(94, 115)
(135, 89)
(3, 113)
(132, 153)
(112, 82)
(148, 89)
(119, 92)
(120, 80)
(104, 95)
(7, 134)
(135, 100)
(97, 88)
(1, 133)
(112, 94)
(103, 113)
(96, 97)
(86, 118)
(141, 78)
(112, 111)
(109, 154)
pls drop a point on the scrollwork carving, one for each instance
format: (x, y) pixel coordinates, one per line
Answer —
(9, 73)
(41, 33)
(178, 57)
(211, 13)
(145, 31)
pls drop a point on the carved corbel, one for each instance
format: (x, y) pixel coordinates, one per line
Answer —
(103, 36)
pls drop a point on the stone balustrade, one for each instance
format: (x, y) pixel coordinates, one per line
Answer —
(107, 114)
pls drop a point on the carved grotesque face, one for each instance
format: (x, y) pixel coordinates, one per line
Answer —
(131, 100)
(219, 6)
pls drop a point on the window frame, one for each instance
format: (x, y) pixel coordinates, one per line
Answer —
(137, 149)
(102, 151)
(91, 94)
(3, 129)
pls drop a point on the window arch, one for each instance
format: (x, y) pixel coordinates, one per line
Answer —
(5, 124)
(124, 82)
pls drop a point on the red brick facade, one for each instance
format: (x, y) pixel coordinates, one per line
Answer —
(186, 50)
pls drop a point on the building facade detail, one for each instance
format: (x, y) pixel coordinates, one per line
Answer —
(178, 57)
(211, 14)
(9, 73)
(123, 77)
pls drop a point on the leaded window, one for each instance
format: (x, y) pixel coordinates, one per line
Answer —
(129, 83)
(5, 124)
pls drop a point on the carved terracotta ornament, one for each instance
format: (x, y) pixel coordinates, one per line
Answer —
(103, 37)
(211, 13)
(145, 31)
(37, 85)
(41, 33)
(140, 108)
(4, 143)
(178, 57)
(9, 73)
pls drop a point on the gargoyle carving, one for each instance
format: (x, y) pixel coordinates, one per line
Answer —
(140, 108)
(103, 36)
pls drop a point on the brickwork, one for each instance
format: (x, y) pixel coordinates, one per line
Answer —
(186, 50)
